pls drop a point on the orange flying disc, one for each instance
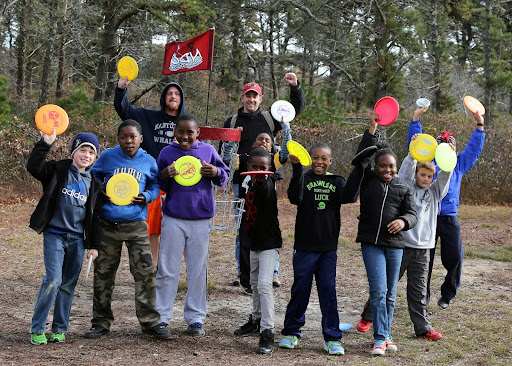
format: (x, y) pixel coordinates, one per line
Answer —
(127, 66)
(474, 105)
(296, 149)
(189, 170)
(51, 117)
(121, 188)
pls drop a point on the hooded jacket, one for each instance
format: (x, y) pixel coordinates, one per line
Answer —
(157, 126)
(52, 174)
(142, 166)
(466, 159)
(194, 202)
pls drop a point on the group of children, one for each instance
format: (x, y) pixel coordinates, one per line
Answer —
(396, 225)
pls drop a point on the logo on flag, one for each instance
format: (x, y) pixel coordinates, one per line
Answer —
(189, 55)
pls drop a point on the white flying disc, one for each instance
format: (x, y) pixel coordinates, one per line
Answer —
(281, 109)
(422, 102)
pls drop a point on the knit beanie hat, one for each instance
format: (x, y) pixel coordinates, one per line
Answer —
(85, 138)
(446, 137)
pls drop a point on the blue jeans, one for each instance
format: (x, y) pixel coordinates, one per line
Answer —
(382, 269)
(63, 257)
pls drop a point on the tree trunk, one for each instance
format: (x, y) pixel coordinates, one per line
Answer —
(43, 96)
(20, 50)
(61, 52)
(487, 66)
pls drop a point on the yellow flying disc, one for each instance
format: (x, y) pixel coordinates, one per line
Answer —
(51, 117)
(121, 188)
(127, 66)
(423, 148)
(296, 149)
(446, 158)
(189, 170)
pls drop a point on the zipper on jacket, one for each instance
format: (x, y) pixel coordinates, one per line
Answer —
(381, 211)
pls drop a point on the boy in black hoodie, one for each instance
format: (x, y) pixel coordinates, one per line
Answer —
(318, 195)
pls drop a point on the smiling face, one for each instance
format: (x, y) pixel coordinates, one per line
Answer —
(172, 100)
(251, 101)
(186, 133)
(424, 177)
(263, 140)
(386, 167)
(320, 160)
(129, 139)
(84, 157)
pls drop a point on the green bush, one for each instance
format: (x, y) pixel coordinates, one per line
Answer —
(78, 103)
(5, 109)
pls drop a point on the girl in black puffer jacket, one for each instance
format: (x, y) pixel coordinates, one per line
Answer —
(387, 208)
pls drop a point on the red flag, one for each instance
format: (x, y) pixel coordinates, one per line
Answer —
(190, 55)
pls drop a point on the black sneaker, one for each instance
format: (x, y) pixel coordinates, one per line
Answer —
(246, 290)
(196, 330)
(96, 331)
(266, 344)
(159, 331)
(252, 326)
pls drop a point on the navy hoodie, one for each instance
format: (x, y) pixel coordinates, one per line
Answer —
(157, 126)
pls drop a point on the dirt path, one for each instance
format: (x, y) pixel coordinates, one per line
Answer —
(21, 270)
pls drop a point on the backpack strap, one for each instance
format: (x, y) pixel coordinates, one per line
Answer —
(233, 121)
(269, 119)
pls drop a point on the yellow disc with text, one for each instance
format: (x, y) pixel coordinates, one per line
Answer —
(121, 188)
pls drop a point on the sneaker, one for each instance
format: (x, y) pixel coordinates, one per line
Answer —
(266, 344)
(431, 335)
(276, 282)
(159, 331)
(252, 326)
(334, 348)
(363, 326)
(196, 330)
(289, 342)
(58, 337)
(390, 345)
(96, 331)
(379, 348)
(38, 339)
(246, 290)
(236, 282)
(443, 303)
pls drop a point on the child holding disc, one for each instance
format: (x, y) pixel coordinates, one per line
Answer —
(66, 217)
(448, 225)
(187, 211)
(419, 240)
(387, 208)
(318, 195)
(263, 140)
(126, 223)
(264, 239)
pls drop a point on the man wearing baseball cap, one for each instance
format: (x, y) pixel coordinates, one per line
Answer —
(254, 120)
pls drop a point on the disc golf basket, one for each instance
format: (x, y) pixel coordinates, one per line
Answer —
(228, 210)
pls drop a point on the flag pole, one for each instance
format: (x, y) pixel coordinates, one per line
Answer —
(208, 97)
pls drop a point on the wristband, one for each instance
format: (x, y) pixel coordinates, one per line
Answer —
(480, 124)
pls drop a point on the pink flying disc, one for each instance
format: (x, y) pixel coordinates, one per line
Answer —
(257, 172)
(387, 108)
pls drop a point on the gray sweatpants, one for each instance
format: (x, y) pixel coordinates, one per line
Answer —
(178, 235)
(416, 261)
(263, 263)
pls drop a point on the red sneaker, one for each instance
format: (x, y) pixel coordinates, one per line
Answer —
(432, 335)
(363, 326)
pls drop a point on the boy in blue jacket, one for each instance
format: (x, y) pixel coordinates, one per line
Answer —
(127, 224)
(65, 215)
(187, 211)
(448, 225)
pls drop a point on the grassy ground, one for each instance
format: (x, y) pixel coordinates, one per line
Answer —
(477, 327)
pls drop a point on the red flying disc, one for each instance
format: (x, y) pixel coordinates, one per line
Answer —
(387, 108)
(257, 172)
